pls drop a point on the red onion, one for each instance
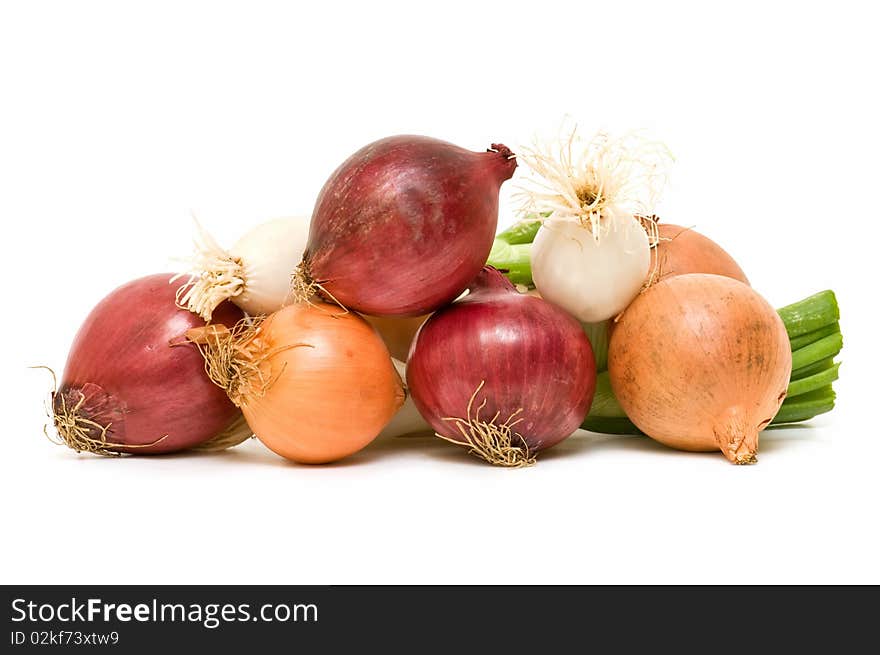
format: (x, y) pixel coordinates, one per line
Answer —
(505, 373)
(132, 380)
(403, 225)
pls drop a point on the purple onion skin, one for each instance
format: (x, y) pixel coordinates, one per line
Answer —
(135, 381)
(530, 354)
(405, 223)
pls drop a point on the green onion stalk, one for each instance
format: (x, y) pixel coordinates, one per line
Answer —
(812, 325)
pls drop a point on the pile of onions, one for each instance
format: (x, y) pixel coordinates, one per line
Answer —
(254, 273)
(403, 225)
(592, 254)
(132, 384)
(504, 373)
(315, 383)
(701, 362)
(682, 250)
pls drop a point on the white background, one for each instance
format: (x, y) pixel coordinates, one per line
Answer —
(117, 119)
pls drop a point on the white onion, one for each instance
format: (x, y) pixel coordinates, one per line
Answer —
(254, 273)
(592, 254)
(593, 277)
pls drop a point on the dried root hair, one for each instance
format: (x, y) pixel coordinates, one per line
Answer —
(586, 182)
(78, 432)
(214, 275)
(490, 440)
(304, 288)
(234, 358)
(652, 227)
(651, 224)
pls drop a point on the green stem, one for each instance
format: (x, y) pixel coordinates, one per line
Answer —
(812, 369)
(810, 314)
(813, 382)
(605, 403)
(513, 260)
(806, 406)
(823, 348)
(610, 425)
(597, 333)
(812, 337)
(521, 233)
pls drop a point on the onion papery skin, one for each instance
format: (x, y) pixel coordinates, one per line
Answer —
(532, 359)
(404, 224)
(682, 250)
(701, 362)
(131, 371)
(332, 384)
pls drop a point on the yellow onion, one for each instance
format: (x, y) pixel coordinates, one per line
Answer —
(701, 362)
(314, 382)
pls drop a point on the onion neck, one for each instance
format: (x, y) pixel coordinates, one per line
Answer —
(736, 437)
(490, 281)
(233, 358)
(504, 160)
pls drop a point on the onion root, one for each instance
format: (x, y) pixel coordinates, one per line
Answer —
(303, 287)
(78, 432)
(217, 276)
(490, 440)
(580, 181)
